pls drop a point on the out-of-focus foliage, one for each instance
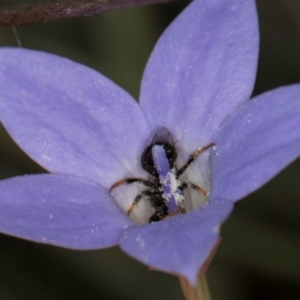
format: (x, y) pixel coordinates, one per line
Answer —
(260, 255)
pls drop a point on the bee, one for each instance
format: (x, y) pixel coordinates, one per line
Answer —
(154, 188)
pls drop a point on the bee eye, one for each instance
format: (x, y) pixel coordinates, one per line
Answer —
(170, 153)
(147, 159)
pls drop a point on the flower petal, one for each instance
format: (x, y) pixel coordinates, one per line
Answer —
(202, 68)
(256, 142)
(60, 210)
(180, 244)
(69, 118)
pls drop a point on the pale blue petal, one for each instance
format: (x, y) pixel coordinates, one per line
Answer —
(69, 118)
(178, 245)
(202, 68)
(60, 210)
(256, 142)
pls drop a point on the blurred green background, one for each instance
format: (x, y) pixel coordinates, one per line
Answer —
(260, 255)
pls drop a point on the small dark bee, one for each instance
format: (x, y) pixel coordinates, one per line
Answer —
(154, 193)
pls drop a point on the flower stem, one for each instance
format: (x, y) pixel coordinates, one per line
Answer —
(198, 292)
(202, 288)
(61, 9)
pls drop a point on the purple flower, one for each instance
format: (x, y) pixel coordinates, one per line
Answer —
(90, 134)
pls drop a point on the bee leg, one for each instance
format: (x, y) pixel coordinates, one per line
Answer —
(198, 188)
(132, 180)
(137, 199)
(192, 158)
(159, 214)
(175, 213)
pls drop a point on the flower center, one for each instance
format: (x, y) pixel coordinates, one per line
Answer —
(169, 190)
